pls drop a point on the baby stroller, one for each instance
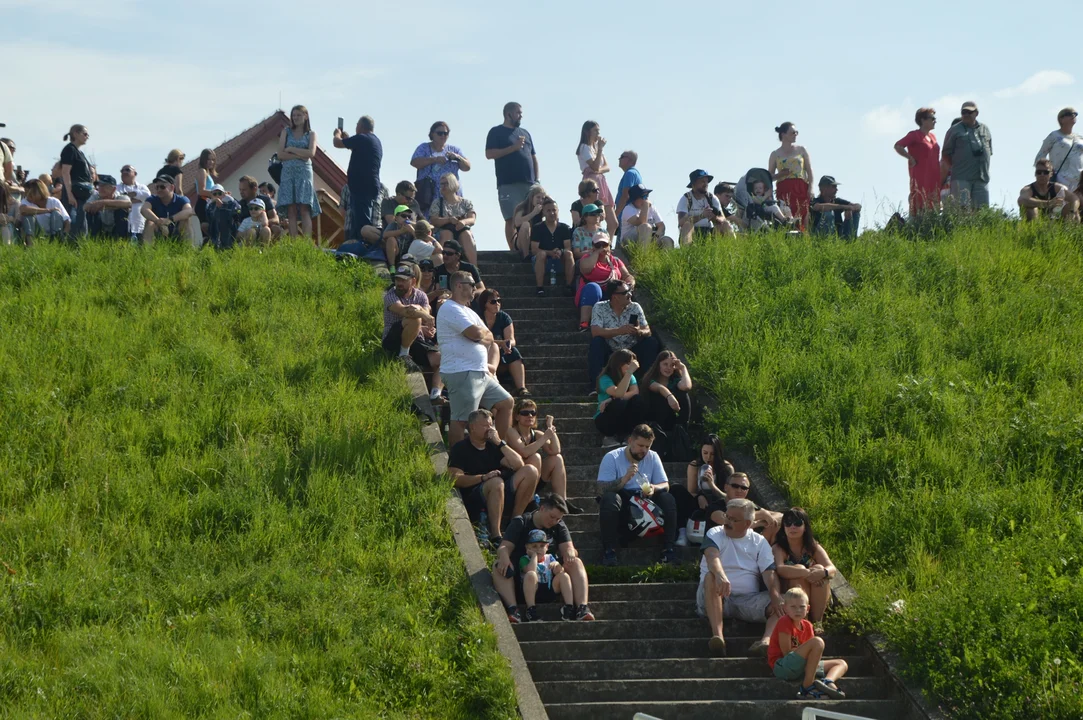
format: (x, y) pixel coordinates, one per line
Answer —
(761, 213)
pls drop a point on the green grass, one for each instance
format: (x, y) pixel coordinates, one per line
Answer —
(925, 401)
(214, 499)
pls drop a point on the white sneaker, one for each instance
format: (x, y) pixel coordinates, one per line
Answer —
(682, 538)
(609, 441)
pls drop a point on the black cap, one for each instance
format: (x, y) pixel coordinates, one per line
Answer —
(828, 180)
(426, 264)
(165, 179)
(107, 180)
(454, 245)
(638, 191)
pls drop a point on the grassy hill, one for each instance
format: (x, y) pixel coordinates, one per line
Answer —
(924, 400)
(214, 501)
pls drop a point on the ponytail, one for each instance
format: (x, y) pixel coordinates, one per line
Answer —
(74, 129)
(67, 136)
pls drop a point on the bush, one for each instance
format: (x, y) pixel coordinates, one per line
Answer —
(924, 400)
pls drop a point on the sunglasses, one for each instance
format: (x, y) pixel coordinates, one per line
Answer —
(1041, 172)
(161, 187)
(471, 284)
(737, 486)
(528, 413)
(623, 292)
(968, 112)
(1071, 114)
(450, 252)
(442, 133)
(494, 301)
(793, 523)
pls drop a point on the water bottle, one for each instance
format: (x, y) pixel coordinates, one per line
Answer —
(552, 275)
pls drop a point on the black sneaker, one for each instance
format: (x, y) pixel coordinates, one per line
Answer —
(513, 615)
(669, 556)
(541, 291)
(574, 509)
(567, 613)
(583, 613)
(531, 614)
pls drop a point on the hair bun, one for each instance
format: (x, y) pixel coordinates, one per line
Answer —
(778, 129)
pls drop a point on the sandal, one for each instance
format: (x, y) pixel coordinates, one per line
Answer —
(521, 392)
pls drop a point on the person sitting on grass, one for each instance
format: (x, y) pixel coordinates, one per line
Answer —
(1043, 198)
(503, 330)
(736, 487)
(542, 576)
(166, 212)
(39, 213)
(796, 654)
(409, 327)
(490, 475)
(548, 518)
(803, 563)
(668, 402)
(551, 247)
(621, 407)
(107, 211)
(702, 492)
(256, 227)
(540, 449)
(734, 561)
(831, 215)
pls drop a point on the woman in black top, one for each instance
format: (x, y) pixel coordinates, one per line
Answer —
(172, 168)
(499, 322)
(76, 177)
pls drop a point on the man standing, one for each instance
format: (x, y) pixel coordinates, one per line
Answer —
(551, 246)
(107, 211)
(363, 173)
(166, 213)
(734, 560)
(619, 324)
(698, 211)
(409, 328)
(629, 179)
(1064, 149)
(1043, 197)
(488, 473)
(640, 222)
(831, 215)
(516, 163)
(626, 472)
(968, 147)
(549, 517)
(464, 354)
(138, 193)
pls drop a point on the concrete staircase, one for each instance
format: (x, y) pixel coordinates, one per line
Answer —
(647, 649)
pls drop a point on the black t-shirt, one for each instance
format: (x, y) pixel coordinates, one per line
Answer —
(441, 274)
(366, 155)
(819, 223)
(550, 240)
(171, 171)
(388, 205)
(516, 167)
(577, 207)
(500, 324)
(80, 166)
(472, 461)
(519, 528)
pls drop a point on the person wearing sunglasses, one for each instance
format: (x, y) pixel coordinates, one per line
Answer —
(77, 177)
(166, 212)
(435, 159)
(172, 168)
(588, 195)
(736, 487)
(398, 233)
(540, 448)
(619, 323)
(968, 147)
(588, 227)
(454, 262)
(1044, 198)
(107, 210)
(500, 324)
(1064, 148)
(801, 562)
(453, 216)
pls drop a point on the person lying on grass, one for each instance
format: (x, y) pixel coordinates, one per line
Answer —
(543, 578)
(796, 653)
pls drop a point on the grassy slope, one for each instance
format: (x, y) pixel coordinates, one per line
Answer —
(925, 401)
(215, 501)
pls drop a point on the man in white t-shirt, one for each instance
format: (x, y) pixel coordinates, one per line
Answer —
(698, 211)
(640, 222)
(464, 351)
(138, 193)
(734, 559)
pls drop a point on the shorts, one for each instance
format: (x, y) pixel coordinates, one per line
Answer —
(750, 608)
(791, 668)
(474, 497)
(511, 195)
(419, 351)
(467, 391)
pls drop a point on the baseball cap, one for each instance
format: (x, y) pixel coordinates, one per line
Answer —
(257, 203)
(400, 209)
(107, 180)
(426, 264)
(454, 245)
(591, 209)
(165, 179)
(403, 271)
(828, 180)
(638, 191)
(970, 105)
(600, 238)
(218, 188)
(537, 536)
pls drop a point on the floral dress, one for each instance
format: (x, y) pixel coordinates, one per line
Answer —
(297, 187)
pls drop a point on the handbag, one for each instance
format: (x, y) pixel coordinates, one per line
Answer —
(644, 517)
(426, 193)
(696, 527)
(274, 169)
(1055, 178)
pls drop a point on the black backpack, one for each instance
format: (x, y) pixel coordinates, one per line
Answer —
(674, 445)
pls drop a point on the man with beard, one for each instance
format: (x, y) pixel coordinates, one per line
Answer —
(698, 211)
(516, 163)
(633, 470)
(409, 329)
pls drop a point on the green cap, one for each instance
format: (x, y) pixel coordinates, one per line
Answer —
(400, 209)
(591, 209)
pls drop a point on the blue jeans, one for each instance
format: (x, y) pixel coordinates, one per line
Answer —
(78, 219)
(220, 228)
(51, 226)
(646, 350)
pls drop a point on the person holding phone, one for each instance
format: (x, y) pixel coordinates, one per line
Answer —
(619, 324)
(540, 448)
(435, 159)
(138, 193)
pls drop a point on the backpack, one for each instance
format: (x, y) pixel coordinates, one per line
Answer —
(644, 517)
(674, 445)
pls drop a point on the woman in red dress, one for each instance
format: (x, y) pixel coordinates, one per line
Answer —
(791, 168)
(922, 151)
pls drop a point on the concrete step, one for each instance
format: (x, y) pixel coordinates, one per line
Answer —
(592, 539)
(715, 709)
(562, 412)
(546, 323)
(612, 614)
(523, 287)
(635, 556)
(687, 668)
(557, 305)
(588, 471)
(558, 349)
(659, 648)
(530, 338)
(559, 392)
(500, 257)
(541, 371)
(608, 592)
(683, 689)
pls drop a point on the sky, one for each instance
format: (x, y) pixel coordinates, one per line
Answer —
(685, 85)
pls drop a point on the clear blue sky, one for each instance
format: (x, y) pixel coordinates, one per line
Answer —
(685, 85)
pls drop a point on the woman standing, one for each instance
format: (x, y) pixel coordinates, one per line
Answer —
(499, 323)
(592, 163)
(620, 406)
(802, 562)
(296, 148)
(76, 177)
(922, 151)
(206, 178)
(540, 449)
(791, 168)
(172, 168)
(434, 160)
(669, 384)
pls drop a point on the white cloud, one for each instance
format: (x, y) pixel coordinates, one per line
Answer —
(1039, 82)
(884, 120)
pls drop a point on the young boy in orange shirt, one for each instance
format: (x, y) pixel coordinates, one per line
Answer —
(795, 653)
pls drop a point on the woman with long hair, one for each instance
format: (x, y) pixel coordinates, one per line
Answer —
(500, 324)
(296, 148)
(922, 152)
(206, 179)
(523, 218)
(791, 168)
(802, 562)
(620, 406)
(42, 214)
(669, 384)
(172, 168)
(540, 448)
(78, 180)
(593, 165)
(704, 481)
(435, 159)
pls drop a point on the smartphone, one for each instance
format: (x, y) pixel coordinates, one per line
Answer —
(634, 320)
(340, 121)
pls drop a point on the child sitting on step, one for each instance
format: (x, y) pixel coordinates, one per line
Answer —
(544, 579)
(795, 652)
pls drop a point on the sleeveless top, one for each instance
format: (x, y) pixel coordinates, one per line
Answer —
(209, 183)
(297, 142)
(795, 165)
(1050, 192)
(806, 559)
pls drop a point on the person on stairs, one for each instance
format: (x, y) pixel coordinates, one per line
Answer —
(620, 405)
(549, 518)
(540, 449)
(551, 247)
(627, 471)
(734, 560)
(409, 327)
(542, 576)
(803, 563)
(619, 324)
(736, 487)
(704, 479)
(490, 476)
(795, 652)
(668, 383)
(503, 329)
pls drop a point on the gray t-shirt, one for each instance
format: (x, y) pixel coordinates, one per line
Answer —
(969, 149)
